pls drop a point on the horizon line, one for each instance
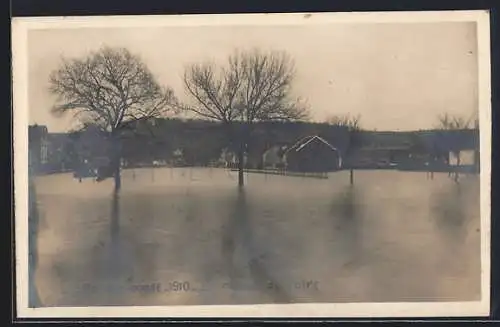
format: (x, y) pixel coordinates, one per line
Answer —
(431, 129)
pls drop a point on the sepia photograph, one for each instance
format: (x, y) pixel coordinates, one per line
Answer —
(256, 165)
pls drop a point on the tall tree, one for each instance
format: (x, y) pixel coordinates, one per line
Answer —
(253, 86)
(109, 88)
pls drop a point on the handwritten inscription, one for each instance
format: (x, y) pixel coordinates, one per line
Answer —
(185, 286)
(299, 285)
(303, 285)
(178, 286)
(143, 288)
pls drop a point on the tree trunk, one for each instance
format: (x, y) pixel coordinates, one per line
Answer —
(241, 134)
(458, 166)
(241, 164)
(116, 161)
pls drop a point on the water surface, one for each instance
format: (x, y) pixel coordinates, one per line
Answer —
(188, 236)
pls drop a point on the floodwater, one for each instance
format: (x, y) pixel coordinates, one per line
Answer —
(188, 236)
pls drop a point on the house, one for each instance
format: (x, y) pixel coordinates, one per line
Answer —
(414, 150)
(178, 158)
(380, 156)
(226, 158)
(92, 144)
(462, 147)
(62, 156)
(229, 159)
(313, 154)
(38, 145)
(93, 151)
(445, 148)
(273, 157)
(381, 149)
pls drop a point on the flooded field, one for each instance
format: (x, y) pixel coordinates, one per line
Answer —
(187, 236)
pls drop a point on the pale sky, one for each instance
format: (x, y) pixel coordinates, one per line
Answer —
(396, 76)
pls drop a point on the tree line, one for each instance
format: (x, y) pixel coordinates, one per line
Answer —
(202, 142)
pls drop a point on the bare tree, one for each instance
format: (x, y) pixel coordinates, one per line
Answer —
(109, 88)
(253, 86)
(451, 122)
(352, 123)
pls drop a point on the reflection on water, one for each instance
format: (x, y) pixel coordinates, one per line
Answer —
(115, 217)
(115, 263)
(344, 205)
(196, 239)
(238, 233)
(452, 207)
(449, 209)
(346, 215)
(232, 232)
(33, 225)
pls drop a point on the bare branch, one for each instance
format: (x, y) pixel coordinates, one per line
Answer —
(110, 86)
(253, 86)
(450, 122)
(351, 122)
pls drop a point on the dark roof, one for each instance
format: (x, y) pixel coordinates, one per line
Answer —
(37, 132)
(302, 143)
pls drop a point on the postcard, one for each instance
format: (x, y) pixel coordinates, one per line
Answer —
(252, 165)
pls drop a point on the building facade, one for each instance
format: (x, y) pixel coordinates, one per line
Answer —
(313, 154)
(38, 145)
(273, 158)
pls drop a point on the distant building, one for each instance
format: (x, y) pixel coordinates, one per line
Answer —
(467, 158)
(272, 157)
(462, 148)
(415, 150)
(62, 156)
(178, 157)
(313, 154)
(38, 146)
(229, 159)
(380, 156)
(92, 150)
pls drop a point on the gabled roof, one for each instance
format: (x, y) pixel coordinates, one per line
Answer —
(302, 143)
